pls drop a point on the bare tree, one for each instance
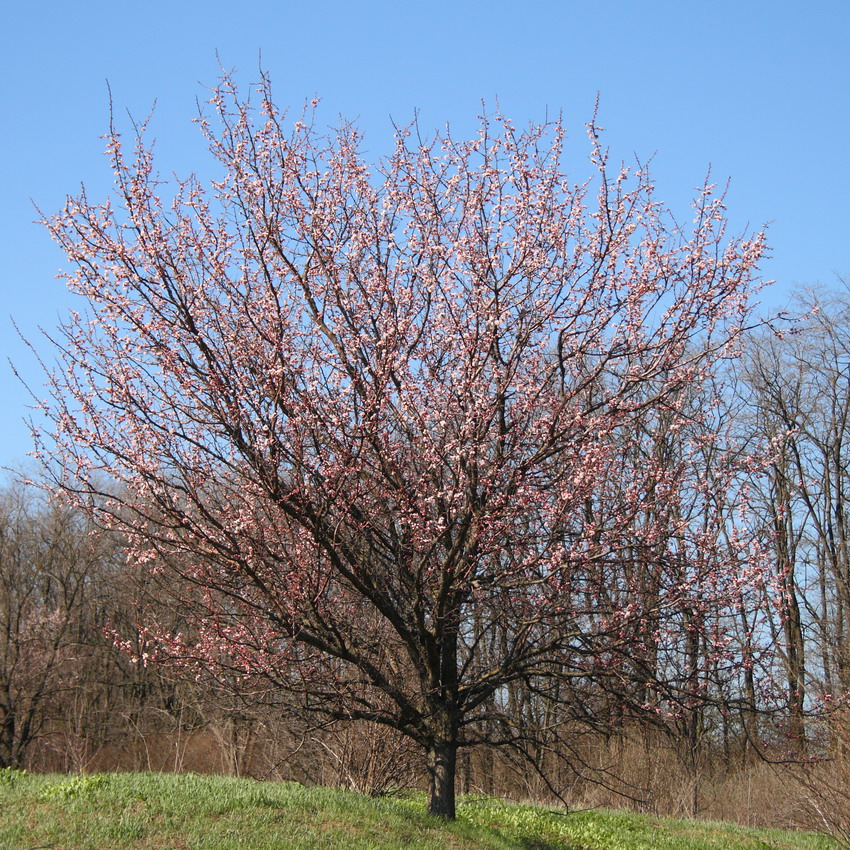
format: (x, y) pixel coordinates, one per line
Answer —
(799, 407)
(48, 561)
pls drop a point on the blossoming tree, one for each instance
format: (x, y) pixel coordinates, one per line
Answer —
(363, 410)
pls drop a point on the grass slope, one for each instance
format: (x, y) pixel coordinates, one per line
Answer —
(179, 812)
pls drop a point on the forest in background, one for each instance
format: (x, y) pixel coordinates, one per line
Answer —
(759, 733)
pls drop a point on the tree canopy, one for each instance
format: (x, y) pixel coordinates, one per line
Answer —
(389, 421)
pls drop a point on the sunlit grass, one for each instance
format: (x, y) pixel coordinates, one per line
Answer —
(184, 812)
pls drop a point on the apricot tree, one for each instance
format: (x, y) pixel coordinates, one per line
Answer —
(362, 410)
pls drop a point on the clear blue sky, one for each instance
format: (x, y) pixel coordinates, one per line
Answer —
(760, 90)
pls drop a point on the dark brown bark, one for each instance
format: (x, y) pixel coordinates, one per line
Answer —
(442, 764)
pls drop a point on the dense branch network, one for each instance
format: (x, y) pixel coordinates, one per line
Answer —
(396, 426)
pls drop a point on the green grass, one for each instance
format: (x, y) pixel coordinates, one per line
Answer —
(185, 812)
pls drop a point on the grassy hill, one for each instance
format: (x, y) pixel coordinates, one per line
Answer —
(179, 812)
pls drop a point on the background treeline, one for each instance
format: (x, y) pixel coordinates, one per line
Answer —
(758, 732)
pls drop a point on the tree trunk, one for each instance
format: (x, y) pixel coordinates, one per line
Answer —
(442, 761)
